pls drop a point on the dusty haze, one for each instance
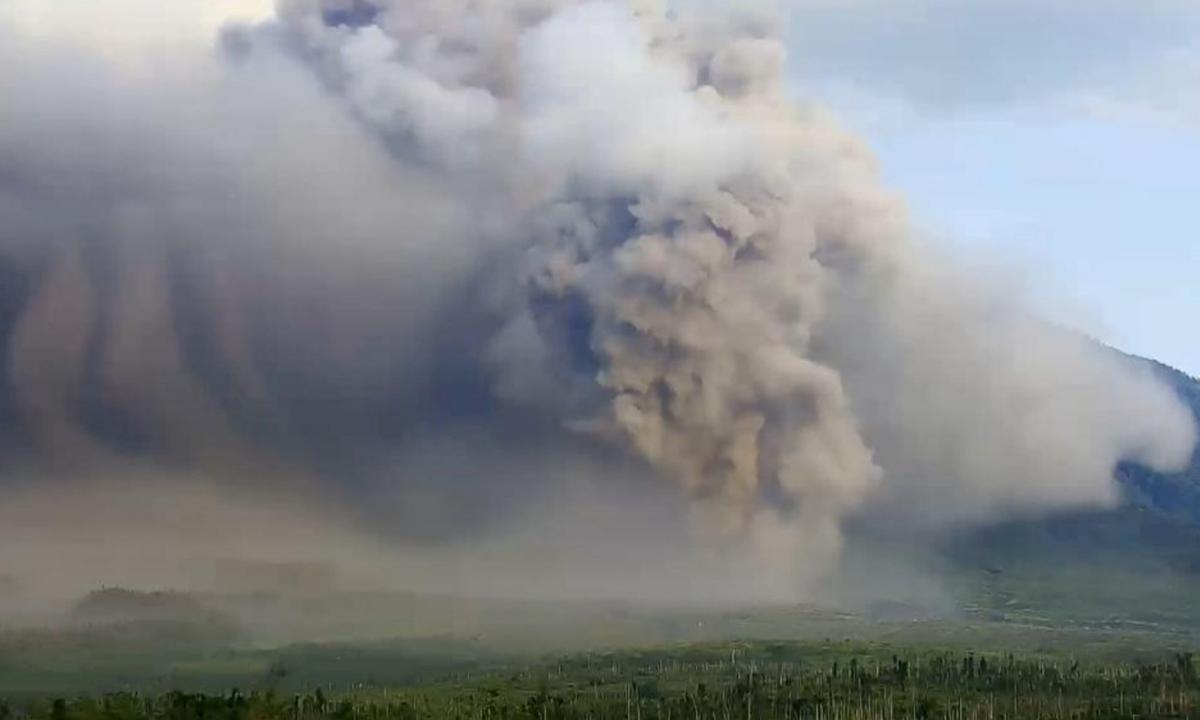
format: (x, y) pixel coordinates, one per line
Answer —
(530, 297)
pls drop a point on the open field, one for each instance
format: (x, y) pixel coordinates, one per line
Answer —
(709, 680)
(422, 639)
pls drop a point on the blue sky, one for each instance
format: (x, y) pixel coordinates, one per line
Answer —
(1059, 138)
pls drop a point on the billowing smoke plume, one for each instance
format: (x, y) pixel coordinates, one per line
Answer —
(352, 245)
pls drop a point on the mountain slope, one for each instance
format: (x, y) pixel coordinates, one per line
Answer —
(1135, 565)
(1176, 494)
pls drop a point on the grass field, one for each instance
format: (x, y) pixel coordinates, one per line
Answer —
(709, 680)
(1089, 627)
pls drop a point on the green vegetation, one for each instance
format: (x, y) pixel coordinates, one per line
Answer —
(1125, 568)
(711, 681)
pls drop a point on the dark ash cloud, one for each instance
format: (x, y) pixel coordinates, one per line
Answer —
(429, 272)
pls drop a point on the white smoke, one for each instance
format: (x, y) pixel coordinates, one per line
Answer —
(612, 212)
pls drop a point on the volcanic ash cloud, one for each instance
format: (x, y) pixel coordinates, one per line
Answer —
(614, 215)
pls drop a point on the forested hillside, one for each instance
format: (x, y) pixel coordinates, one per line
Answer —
(1179, 494)
(1134, 565)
